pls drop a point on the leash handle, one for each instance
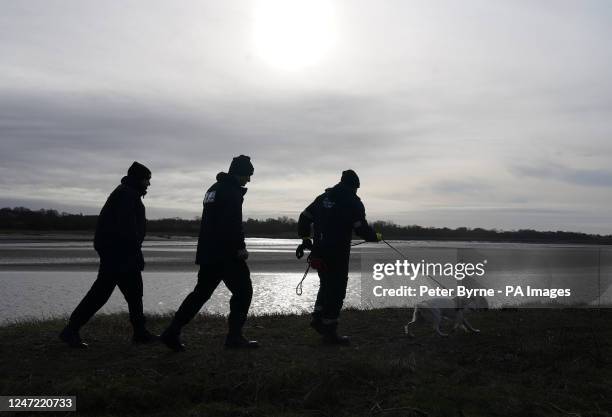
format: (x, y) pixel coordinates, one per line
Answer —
(298, 288)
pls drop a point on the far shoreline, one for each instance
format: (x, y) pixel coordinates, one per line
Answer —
(15, 236)
(21, 220)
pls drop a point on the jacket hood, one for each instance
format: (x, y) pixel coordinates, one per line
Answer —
(135, 184)
(226, 178)
(343, 188)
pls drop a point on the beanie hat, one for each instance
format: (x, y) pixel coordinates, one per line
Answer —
(241, 165)
(138, 170)
(350, 178)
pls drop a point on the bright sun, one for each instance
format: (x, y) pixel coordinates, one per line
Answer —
(293, 34)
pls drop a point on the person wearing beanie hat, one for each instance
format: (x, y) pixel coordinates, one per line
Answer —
(241, 166)
(333, 216)
(222, 256)
(350, 179)
(138, 170)
(138, 177)
(120, 231)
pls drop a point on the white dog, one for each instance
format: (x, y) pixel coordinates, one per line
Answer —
(436, 309)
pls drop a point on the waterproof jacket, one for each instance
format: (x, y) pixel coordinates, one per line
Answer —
(221, 231)
(121, 229)
(335, 214)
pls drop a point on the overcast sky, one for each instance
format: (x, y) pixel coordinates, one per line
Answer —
(477, 113)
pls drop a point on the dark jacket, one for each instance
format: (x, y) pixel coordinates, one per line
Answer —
(121, 229)
(221, 231)
(335, 214)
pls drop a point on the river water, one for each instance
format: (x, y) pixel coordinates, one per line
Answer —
(43, 278)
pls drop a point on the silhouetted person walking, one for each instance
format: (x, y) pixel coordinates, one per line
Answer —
(221, 255)
(120, 231)
(334, 214)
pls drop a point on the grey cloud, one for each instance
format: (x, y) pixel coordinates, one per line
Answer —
(460, 186)
(512, 218)
(557, 172)
(87, 140)
(279, 130)
(413, 95)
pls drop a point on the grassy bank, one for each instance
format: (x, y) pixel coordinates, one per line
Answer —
(524, 363)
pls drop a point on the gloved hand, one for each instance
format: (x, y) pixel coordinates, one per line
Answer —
(318, 264)
(243, 254)
(306, 244)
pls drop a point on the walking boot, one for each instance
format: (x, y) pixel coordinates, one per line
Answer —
(336, 339)
(239, 342)
(317, 325)
(144, 337)
(331, 337)
(72, 338)
(171, 338)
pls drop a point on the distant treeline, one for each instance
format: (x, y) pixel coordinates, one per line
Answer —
(24, 219)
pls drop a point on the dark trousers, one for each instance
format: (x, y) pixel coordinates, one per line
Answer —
(130, 284)
(332, 290)
(237, 278)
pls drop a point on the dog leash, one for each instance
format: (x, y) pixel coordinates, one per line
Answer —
(405, 257)
(299, 287)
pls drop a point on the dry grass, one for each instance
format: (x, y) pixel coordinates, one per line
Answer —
(524, 363)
